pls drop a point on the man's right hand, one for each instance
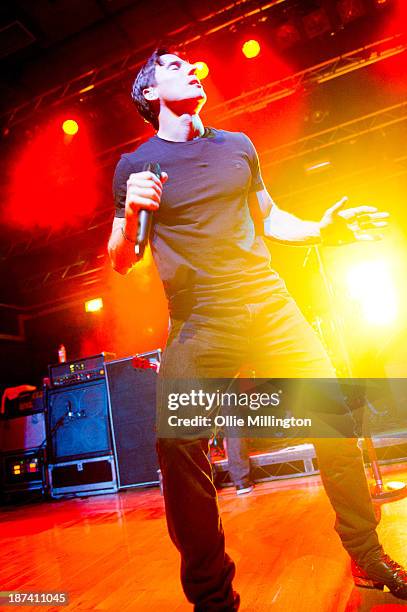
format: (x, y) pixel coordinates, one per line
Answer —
(144, 190)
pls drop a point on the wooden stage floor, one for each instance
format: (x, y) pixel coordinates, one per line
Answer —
(112, 552)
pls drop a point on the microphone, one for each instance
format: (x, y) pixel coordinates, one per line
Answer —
(145, 217)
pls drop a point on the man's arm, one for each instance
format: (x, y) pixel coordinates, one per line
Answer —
(339, 224)
(143, 191)
(121, 245)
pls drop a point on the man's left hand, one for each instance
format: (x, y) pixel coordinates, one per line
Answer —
(342, 225)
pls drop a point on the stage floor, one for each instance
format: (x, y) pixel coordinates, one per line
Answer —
(112, 552)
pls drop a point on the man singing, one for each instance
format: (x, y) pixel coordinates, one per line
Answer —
(229, 307)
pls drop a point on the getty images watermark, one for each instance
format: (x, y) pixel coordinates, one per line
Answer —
(283, 407)
(217, 401)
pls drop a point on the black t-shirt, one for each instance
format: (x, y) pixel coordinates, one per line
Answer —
(203, 238)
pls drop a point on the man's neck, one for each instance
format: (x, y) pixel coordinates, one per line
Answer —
(180, 128)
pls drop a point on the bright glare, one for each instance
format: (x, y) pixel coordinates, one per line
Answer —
(395, 485)
(371, 284)
(94, 305)
(317, 166)
(202, 70)
(70, 127)
(251, 48)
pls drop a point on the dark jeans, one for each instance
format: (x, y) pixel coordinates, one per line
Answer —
(276, 341)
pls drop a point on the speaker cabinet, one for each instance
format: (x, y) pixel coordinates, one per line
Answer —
(132, 394)
(78, 422)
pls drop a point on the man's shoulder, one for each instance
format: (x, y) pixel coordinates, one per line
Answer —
(141, 153)
(237, 136)
(232, 138)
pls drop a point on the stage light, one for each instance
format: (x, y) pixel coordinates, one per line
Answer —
(251, 48)
(370, 283)
(70, 127)
(286, 35)
(94, 305)
(201, 70)
(350, 9)
(316, 23)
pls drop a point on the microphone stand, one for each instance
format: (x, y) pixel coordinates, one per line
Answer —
(380, 491)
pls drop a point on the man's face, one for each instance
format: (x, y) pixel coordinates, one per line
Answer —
(177, 85)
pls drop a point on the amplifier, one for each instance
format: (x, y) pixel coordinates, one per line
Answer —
(28, 402)
(22, 433)
(101, 424)
(78, 371)
(24, 471)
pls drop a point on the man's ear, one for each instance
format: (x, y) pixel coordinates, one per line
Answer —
(150, 94)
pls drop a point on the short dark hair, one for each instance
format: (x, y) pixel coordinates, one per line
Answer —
(149, 109)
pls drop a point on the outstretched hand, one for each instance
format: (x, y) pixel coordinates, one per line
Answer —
(342, 225)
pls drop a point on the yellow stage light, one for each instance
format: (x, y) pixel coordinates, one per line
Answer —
(201, 70)
(94, 305)
(251, 48)
(370, 283)
(70, 127)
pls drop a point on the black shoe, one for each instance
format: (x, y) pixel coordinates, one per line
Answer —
(382, 572)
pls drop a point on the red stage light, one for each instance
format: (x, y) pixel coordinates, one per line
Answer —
(350, 9)
(70, 127)
(251, 48)
(316, 23)
(61, 173)
(286, 35)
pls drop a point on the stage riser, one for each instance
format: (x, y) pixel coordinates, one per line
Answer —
(299, 461)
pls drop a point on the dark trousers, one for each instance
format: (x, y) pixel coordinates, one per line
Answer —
(238, 460)
(276, 341)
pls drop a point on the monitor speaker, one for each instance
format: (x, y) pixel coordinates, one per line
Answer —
(132, 393)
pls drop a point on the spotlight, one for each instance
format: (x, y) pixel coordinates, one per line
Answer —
(251, 48)
(370, 283)
(286, 35)
(70, 127)
(316, 23)
(350, 9)
(94, 305)
(201, 70)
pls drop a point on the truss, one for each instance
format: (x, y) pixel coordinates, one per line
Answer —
(211, 23)
(344, 132)
(87, 270)
(261, 97)
(312, 143)
(326, 71)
